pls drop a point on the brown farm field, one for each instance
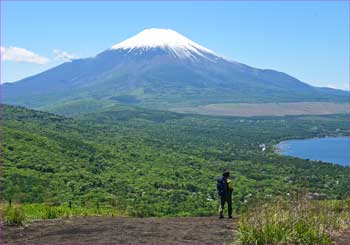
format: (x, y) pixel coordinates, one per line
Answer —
(268, 109)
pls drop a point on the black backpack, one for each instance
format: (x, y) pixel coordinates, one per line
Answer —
(221, 186)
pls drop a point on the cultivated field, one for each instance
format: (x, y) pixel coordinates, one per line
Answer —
(268, 109)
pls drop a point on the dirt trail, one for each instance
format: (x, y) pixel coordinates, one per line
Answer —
(343, 238)
(204, 230)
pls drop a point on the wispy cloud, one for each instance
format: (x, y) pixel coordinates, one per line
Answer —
(343, 87)
(63, 55)
(17, 54)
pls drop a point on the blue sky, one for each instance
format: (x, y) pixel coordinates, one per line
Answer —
(308, 40)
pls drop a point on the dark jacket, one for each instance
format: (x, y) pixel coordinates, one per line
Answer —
(221, 186)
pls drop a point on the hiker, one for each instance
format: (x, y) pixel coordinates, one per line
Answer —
(225, 188)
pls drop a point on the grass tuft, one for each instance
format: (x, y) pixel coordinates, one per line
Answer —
(19, 213)
(14, 215)
(296, 222)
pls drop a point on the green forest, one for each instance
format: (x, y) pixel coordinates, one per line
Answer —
(146, 162)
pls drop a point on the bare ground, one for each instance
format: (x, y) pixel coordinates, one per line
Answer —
(268, 109)
(343, 238)
(198, 230)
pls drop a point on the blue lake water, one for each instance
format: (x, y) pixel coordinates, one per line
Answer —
(330, 149)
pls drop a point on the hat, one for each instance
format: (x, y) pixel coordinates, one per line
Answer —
(226, 173)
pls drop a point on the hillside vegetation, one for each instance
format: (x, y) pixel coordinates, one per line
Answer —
(299, 221)
(151, 163)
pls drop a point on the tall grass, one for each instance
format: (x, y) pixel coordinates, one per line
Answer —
(18, 214)
(13, 215)
(294, 222)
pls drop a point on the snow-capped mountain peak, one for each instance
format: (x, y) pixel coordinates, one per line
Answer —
(177, 44)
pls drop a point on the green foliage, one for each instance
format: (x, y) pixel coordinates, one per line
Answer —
(50, 213)
(18, 214)
(14, 215)
(295, 222)
(153, 163)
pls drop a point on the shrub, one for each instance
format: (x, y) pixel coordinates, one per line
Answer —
(14, 215)
(141, 210)
(51, 213)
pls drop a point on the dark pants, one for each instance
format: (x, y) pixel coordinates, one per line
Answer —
(223, 199)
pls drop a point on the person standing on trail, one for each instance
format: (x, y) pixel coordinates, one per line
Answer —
(225, 188)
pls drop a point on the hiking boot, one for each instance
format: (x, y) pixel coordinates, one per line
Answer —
(221, 217)
(230, 217)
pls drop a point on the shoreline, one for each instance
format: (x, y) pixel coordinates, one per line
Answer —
(280, 151)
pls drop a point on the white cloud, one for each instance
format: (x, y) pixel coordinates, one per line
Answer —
(343, 87)
(63, 55)
(22, 55)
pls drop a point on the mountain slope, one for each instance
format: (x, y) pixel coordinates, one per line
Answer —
(156, 163)
(159, 68)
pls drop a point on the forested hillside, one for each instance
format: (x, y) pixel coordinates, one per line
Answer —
(155, 163)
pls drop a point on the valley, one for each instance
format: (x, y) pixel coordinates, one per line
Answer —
(97, 177)
(157, 163)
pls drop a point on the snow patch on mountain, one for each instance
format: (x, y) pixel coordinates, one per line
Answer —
(177, 44)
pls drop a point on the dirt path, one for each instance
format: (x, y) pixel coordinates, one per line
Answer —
(343, 238)
(206, 230)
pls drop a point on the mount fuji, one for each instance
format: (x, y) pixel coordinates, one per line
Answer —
(158, 68)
